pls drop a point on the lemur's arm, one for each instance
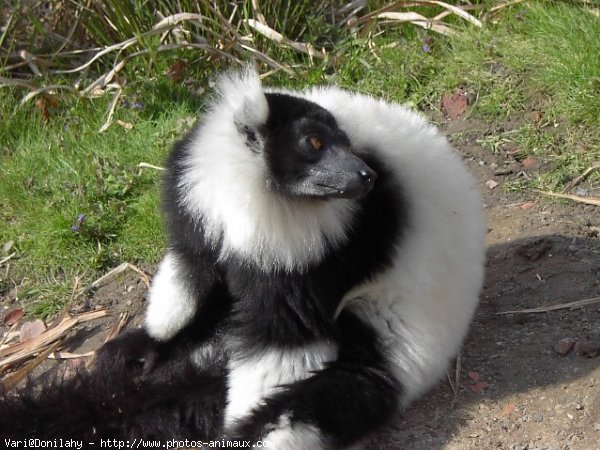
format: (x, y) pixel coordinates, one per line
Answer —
(336, 407)
(183, 281)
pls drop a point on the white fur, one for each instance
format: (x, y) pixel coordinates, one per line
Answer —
(251, 380)
(170, 306)
(293, 436)
(421, 307)
(226, 185)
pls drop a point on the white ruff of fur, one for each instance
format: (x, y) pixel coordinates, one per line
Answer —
(226, 184)
(170, 305)
(251, 380)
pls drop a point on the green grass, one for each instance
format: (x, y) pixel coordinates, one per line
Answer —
(51, 173)
(537, 56)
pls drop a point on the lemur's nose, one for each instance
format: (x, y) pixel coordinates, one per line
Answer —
(368, 175)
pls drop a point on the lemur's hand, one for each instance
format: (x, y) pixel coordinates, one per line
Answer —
(133, 351)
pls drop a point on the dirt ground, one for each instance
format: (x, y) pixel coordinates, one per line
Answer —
(526, 381)
(517, 390)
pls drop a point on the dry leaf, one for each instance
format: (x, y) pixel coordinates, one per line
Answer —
(478, 388)
(455, 105)
(32, 329)
(177, 71)
(13, 316)
(126, 125)
(537, 116)
(529, 162)
(527, 205)
(507, 410)
(42, 106)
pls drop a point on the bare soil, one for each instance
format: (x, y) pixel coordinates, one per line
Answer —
(516, 389)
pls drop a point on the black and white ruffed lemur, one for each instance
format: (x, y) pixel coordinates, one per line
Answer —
(326, 256)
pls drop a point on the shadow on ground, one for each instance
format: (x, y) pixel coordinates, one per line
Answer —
(536, 398)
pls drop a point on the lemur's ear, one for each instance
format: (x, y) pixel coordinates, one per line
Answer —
(242, 93)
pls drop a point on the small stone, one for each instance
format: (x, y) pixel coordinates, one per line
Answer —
(564, 346)
(491, 184)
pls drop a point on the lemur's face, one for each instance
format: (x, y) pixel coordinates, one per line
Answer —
(308, 155)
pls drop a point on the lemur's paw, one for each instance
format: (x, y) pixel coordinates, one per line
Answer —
(134, 350)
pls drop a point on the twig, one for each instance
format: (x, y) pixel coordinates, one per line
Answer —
(117, 270)
(577, 198)
(582, 177)
(571, 305)
(456, 383)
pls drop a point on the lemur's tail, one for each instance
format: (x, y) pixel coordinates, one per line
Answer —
(115, 401)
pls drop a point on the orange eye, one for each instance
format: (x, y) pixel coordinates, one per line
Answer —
(316, 143)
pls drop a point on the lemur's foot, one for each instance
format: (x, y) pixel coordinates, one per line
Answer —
(133, 351)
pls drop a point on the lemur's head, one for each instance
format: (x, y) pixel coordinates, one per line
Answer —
(308, 154)
(305, 152)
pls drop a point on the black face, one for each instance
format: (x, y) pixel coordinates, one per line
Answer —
(308, 154)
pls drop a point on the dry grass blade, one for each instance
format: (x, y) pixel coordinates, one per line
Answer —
(117, 270)
(258, 13)
(8, 258)
(116, 329)
(111, 110)
(17, 83)
(275, 36)
(45, 89)
(65, 313)
(268, 60)
(144, 165)
(175, 19)
(419, 20)
(20, 351)
(505, 4)
(68, 355)
(541, 309)
(576, 198)
(460, 12)
(11, 381)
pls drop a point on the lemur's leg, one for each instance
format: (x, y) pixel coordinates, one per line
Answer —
(337, 406)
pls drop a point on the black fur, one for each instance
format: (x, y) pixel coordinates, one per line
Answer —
(142, 389)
